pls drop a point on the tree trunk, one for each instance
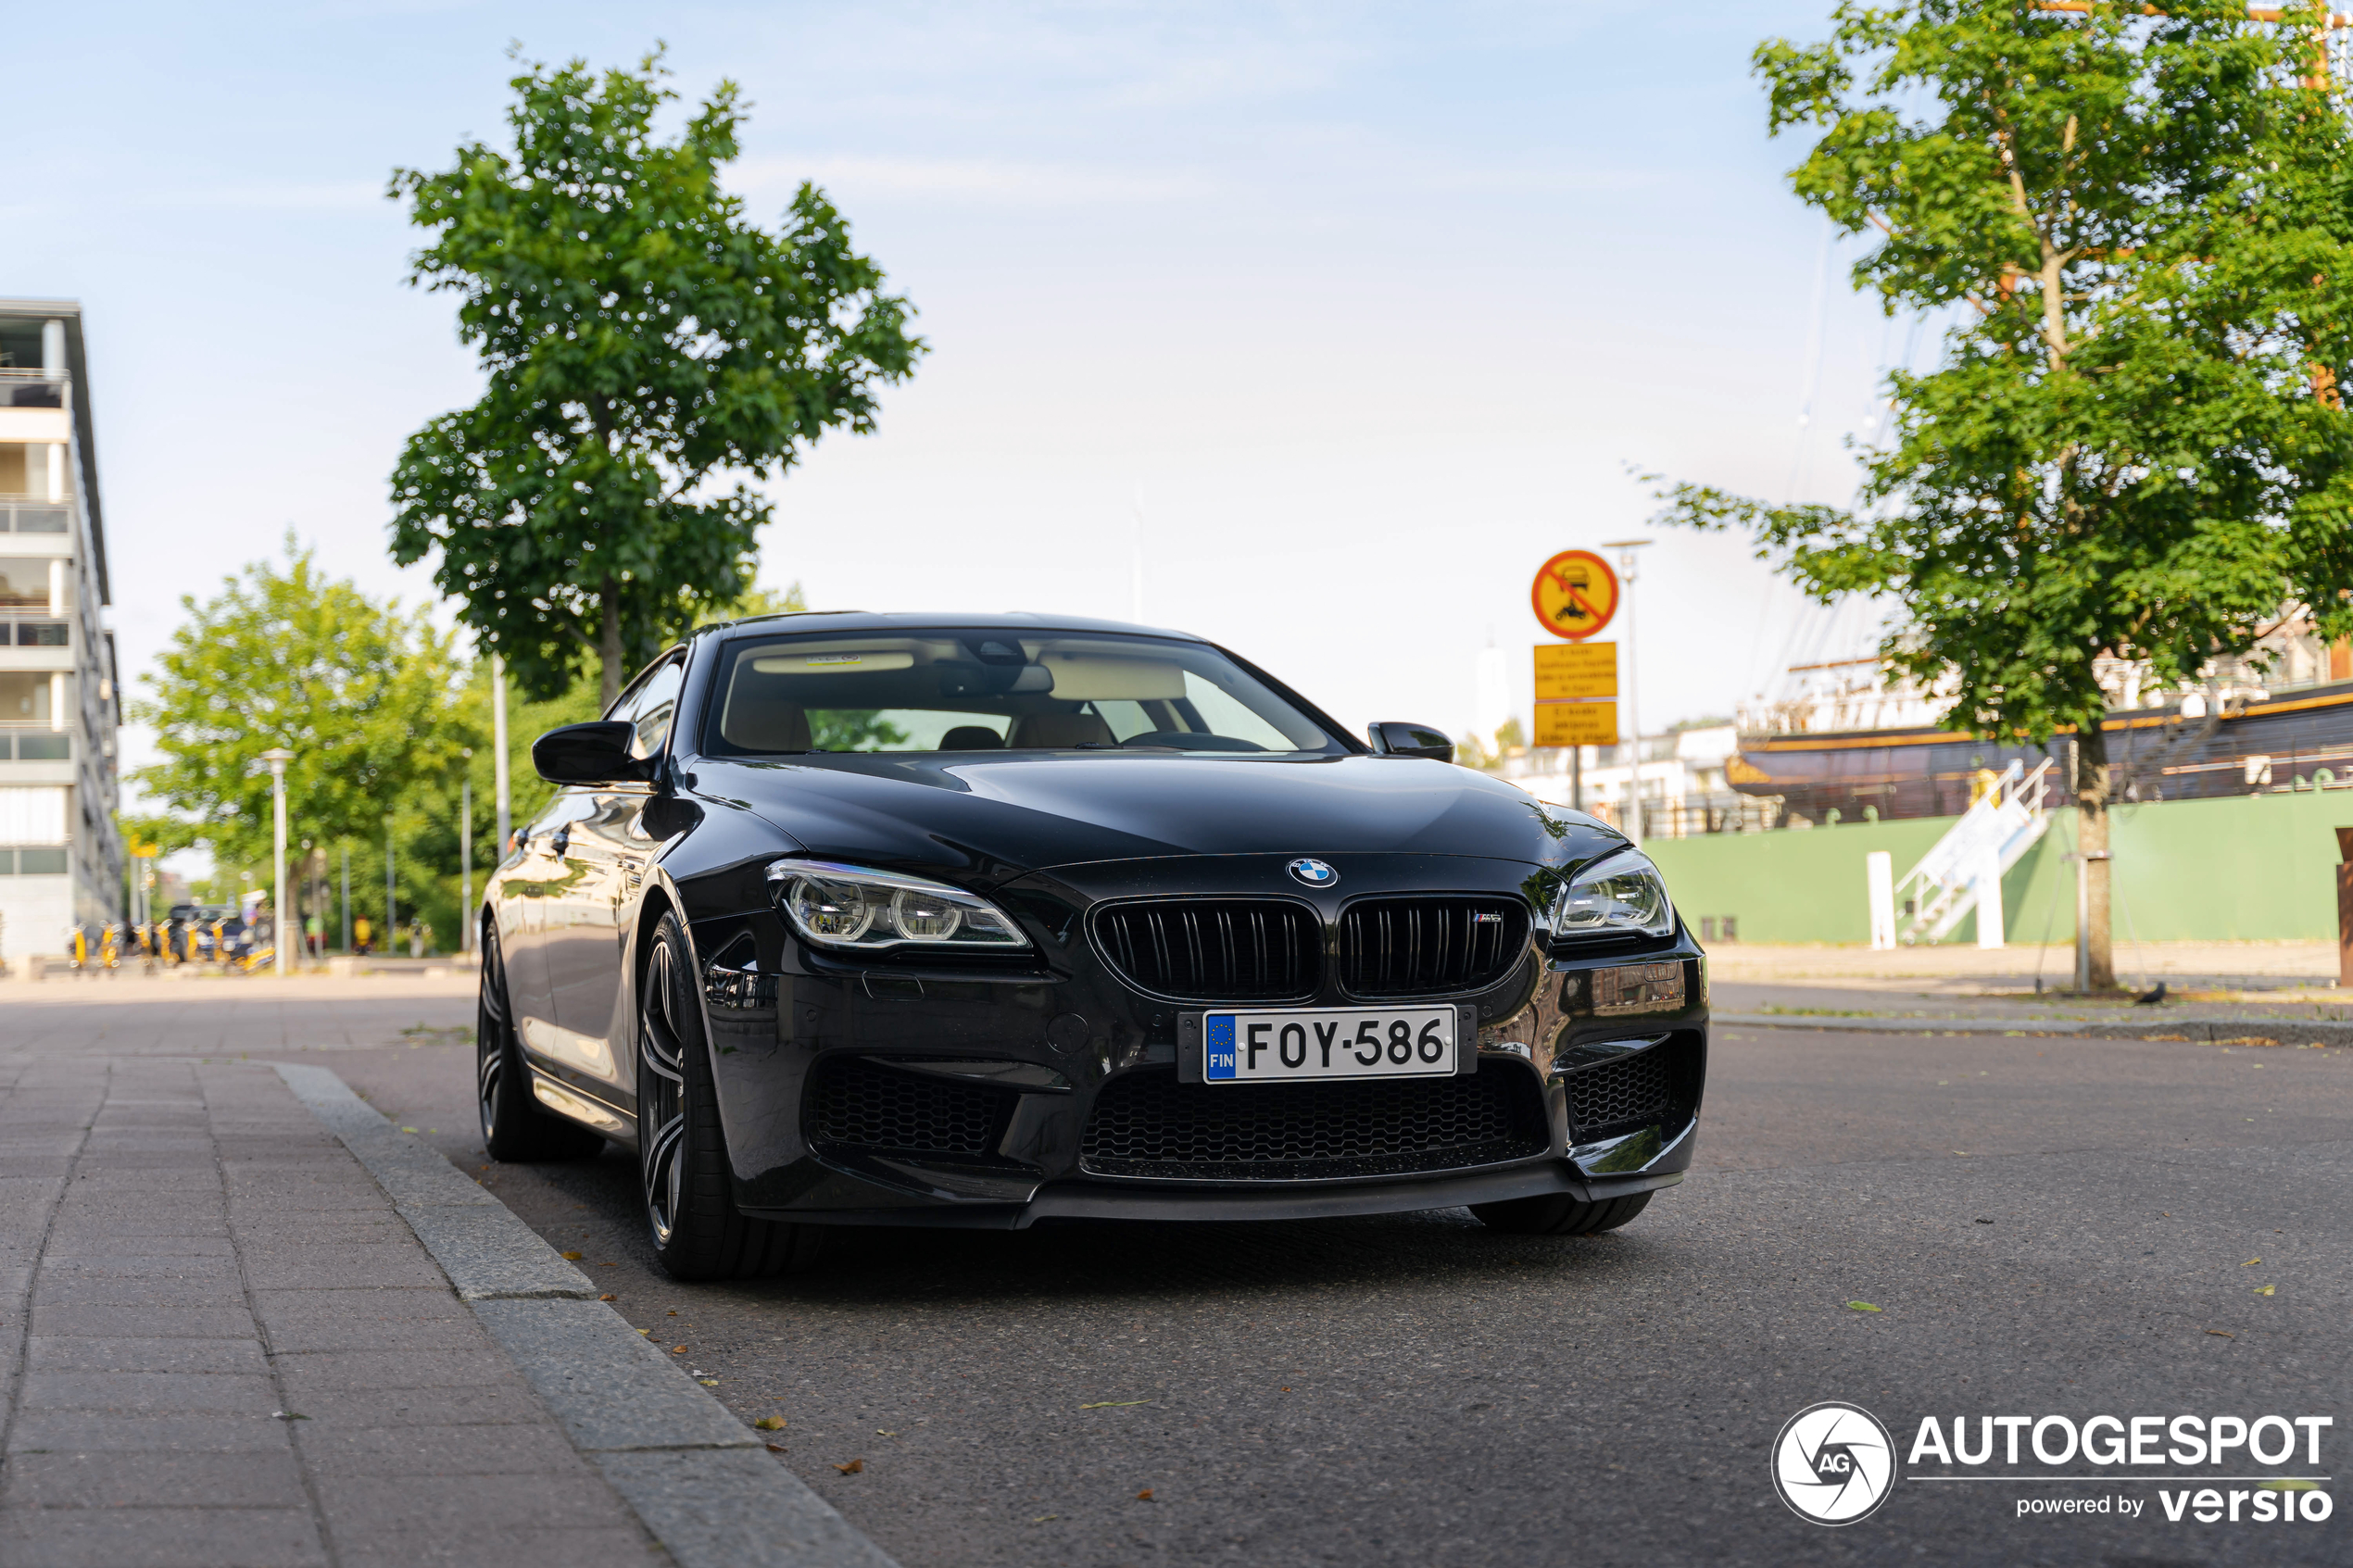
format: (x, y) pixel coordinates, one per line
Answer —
(609, 643)
(2091, 842)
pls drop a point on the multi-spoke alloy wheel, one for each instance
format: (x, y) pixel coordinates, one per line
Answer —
(698, 1232)
(513, 1126)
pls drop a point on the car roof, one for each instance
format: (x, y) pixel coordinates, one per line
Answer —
(1015, 621)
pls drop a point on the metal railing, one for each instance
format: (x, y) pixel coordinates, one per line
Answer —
(32, 514)
(23, 387)
(28, 742)
(2007, 820)
(35, 628)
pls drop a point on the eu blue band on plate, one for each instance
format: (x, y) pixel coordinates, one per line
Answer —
(1220, 1048)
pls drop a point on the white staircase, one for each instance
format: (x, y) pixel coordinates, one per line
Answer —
(1939, 893)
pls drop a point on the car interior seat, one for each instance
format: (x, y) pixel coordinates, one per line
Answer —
(1054, 731)
(767, 726)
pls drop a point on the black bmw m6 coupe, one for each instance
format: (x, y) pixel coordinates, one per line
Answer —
(849, 919)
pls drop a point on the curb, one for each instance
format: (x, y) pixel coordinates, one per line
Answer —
(2287, 1031)
(698, 1479)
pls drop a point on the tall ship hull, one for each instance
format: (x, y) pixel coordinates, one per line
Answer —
(2300, 739)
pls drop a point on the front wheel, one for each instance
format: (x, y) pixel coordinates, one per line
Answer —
(514, 1129)
(699, 1233)
(1559, 1214)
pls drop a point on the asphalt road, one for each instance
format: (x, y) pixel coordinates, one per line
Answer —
(2047, 1227)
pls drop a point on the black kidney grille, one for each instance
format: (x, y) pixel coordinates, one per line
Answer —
(1429, 946)
(1149, 1124)
(1637, 1089)
(865, 1105)
(1213, 950)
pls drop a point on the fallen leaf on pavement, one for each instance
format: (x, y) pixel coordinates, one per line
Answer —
(1144, 1495)
(607, 1296)
(769, 1423)
(1864, 1307)
(677, 1350)
(708, 1382)
(2251, 1262)
(408, 1129)
(778, 1449)
(2265, 1289)
(2221, 1334)
(572, 1257)
(852, 1468)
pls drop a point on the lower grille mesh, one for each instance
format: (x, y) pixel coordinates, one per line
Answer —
(1640, 1087)
(863, 1105)
(1149, 1124)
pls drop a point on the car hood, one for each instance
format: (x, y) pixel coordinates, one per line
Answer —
(993, 818)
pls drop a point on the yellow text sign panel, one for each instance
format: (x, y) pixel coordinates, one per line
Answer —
(1577, 723)
(1576, 669)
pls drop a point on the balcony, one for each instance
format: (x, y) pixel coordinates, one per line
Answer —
(24, 514)
(34, 629)
(24, 745)
(25, 388)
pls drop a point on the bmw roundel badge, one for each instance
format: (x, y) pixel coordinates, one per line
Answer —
(1314, 874)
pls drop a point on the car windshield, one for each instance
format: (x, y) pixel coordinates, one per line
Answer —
(990, 691)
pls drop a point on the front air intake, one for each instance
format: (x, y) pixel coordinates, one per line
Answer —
(1146, 1124)
(868, 1107)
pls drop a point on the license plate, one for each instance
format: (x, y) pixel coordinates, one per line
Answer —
(1304, 1044)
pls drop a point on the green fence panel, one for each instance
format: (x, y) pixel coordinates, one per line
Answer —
(2246, 868)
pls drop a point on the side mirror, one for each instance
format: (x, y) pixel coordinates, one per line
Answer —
(1395, 737)
(590, 754)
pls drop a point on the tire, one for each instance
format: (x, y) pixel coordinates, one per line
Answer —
(1559, 1214)
(514, 1128)
(699, 1233)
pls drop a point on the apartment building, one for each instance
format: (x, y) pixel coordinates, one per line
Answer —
(61, 855)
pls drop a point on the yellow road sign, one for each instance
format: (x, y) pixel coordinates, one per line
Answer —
(1574, 595)
(1576, 669)
(1577, 723)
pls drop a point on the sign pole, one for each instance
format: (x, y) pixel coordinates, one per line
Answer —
(1633, 826)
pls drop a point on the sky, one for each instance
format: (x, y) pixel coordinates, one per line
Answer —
(1364, 311)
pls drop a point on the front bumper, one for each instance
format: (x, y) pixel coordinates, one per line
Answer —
(831, 1076)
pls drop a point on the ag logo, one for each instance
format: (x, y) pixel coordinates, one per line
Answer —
(1834, 1463)
(1314, 874)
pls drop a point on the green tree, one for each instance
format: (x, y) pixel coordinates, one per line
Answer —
(365, 696)
(2133, 447)
(643, 344)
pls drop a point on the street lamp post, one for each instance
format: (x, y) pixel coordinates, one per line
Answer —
(466, 853)
(498, 749)
(1626, 548)
(278, 757)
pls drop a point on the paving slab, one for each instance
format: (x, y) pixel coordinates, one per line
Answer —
(202, 1297)
(243, 1324)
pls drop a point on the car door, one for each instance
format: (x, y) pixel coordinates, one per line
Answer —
(529, 895)
(606, 858)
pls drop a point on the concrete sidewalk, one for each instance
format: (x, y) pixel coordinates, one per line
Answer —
(222, 1345)
(245, 1322)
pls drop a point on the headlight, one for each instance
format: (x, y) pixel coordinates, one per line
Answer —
(854, 907)
(1623, 896)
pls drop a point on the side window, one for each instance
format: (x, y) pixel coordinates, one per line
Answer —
(651, 705)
